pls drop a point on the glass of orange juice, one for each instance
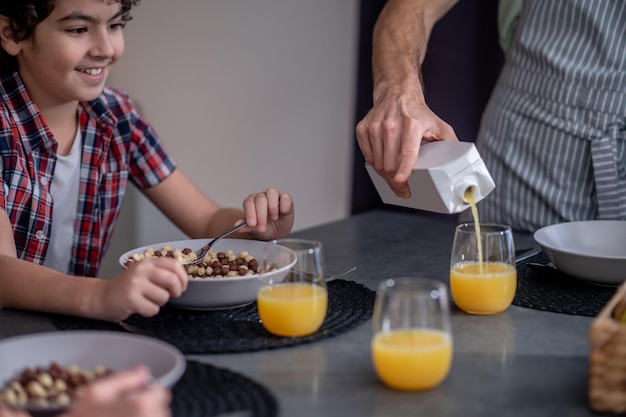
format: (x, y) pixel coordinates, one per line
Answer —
(483, 275)
(294, 305)
(412, 343)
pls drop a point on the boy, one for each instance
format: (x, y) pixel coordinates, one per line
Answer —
(68, 146)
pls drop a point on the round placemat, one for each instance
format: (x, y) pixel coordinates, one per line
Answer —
(206, 391)
(549, 289)
(239, 330)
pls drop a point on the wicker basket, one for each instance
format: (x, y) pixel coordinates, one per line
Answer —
(607, 359)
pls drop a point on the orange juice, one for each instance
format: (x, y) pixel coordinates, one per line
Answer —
(292, 309)
(483, 288)
(412, 359)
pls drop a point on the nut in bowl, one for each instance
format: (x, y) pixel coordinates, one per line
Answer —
(81, 354)
(222, 291)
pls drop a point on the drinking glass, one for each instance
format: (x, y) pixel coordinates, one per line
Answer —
(294, 305)
(412, 342)
(483, 275)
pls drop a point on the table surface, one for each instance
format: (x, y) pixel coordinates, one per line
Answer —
(521, 362)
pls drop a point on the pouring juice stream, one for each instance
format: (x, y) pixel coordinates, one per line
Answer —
(469, 197)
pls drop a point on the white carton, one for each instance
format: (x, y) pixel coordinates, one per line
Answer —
(444, 171)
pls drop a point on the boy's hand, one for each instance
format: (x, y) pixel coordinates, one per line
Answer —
(143, 288)
(269, 214)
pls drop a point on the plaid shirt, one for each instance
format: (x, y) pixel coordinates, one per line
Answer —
(118, 145)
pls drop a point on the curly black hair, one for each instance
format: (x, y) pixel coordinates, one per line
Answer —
(25, 15)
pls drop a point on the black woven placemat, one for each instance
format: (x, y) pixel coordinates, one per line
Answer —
(552, 290)
(239, 330)
(206, 391)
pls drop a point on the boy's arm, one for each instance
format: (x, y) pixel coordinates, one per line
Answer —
(7, 242)
(24, 285)
(142, 288)
(269, 213)
(190, 209)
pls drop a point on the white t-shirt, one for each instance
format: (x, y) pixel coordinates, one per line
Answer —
(64, 190)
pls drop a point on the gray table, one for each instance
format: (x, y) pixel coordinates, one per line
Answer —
(522, 362)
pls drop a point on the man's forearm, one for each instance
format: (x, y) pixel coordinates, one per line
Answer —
(400, 39)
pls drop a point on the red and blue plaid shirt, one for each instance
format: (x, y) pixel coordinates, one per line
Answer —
(118, 145)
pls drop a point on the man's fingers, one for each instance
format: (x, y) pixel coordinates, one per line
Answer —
(401, 189)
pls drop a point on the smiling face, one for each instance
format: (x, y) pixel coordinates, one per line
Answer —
(71, 52)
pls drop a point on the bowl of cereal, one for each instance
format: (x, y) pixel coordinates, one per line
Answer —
(230, 275)
(42, 372)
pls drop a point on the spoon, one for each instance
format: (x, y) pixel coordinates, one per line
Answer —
(342, 274)
(133, 329)
(537, 265)
(201, 253)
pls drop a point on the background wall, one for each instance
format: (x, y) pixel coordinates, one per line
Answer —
(245, 94)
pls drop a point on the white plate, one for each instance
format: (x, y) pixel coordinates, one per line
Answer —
(88, 349)
(593, 251)
(228, 292)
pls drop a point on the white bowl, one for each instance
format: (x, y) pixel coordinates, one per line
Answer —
(593, 251)
(89, 349)
(227, 292)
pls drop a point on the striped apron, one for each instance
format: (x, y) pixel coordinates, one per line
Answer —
(553, 134)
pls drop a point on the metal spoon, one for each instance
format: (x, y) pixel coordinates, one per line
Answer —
(133, 329)
(340, 275)
(538, 266)
(201, 253)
